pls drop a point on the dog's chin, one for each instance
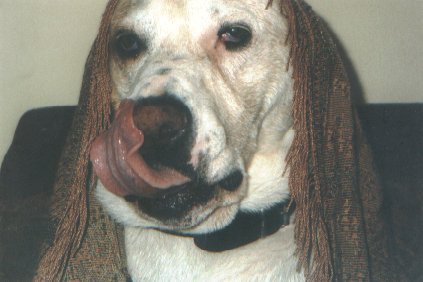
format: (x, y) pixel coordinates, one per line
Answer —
(189, 209)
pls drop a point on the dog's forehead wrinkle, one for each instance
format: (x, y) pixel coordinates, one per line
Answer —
(181, 21)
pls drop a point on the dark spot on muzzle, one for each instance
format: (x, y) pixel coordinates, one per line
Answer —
(232, 181)
(163, 71)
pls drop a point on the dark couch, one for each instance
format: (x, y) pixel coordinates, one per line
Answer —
(395, 133)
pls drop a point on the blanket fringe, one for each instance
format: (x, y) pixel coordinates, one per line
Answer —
(75, 179)
(311, 234)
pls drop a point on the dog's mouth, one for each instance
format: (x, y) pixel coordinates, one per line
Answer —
(162, 191)
(177, 202)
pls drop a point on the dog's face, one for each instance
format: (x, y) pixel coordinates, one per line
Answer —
(212, 95)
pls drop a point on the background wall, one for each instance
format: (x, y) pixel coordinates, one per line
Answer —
(44, 43)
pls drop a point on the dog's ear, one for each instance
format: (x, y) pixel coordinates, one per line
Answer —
(339, 229)
(74, 178)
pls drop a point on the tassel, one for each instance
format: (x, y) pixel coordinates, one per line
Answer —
(311, 234)
(74, 179)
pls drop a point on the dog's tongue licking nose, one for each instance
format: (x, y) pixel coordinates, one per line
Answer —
(119, 165)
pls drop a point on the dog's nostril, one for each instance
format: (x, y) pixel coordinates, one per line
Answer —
(232, 181)
(170, 132)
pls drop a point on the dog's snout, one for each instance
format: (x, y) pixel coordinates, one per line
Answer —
(167, 127)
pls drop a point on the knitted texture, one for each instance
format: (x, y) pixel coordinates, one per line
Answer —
(339, 228)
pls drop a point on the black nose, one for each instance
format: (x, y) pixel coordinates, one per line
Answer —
(167, 127)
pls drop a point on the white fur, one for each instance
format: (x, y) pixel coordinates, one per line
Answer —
(156, 256)
(241, 105)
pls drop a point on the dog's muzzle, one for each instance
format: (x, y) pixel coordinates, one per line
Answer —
(144, 157)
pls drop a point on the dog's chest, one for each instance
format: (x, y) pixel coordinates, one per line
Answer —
(156, 256)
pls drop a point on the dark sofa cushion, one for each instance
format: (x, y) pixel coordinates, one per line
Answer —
(395, 133)
(30, 163)
(26, 181)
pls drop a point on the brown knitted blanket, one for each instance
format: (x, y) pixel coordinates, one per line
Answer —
(338, 198)
(336, 194)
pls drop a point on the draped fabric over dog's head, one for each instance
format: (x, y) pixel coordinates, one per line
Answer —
(339, 229)
(339, 225)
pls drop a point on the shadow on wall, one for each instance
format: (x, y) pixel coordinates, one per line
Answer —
(357, 91)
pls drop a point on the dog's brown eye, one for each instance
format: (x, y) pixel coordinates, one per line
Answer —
(234, 37)
(129, 45)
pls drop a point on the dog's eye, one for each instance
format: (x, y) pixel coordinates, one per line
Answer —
(129, 45)
(234, 37)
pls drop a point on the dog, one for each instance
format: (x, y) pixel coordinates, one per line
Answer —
(217, 67)
(207, 86)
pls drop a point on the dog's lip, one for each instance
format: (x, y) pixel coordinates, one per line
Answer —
(176, 202)
(120, 167)
(160, 195)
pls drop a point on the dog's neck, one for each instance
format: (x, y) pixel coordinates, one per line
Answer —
(267, 245)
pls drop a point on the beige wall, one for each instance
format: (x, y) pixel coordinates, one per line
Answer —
(44, 43)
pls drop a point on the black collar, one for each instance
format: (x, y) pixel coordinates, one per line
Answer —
(244, 229)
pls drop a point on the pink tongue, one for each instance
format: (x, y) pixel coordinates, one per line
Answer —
(120, 167)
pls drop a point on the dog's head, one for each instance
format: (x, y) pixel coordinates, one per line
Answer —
(202, 94)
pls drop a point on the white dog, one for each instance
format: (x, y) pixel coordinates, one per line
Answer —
(210, 92)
